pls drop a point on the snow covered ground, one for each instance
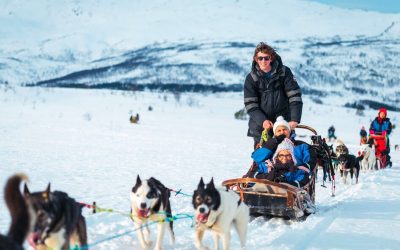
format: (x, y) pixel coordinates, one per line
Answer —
(82, 142)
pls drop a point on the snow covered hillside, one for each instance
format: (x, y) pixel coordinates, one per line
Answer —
(82, 142)
(202, 46)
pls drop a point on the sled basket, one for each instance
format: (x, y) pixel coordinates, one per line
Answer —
(268, 198)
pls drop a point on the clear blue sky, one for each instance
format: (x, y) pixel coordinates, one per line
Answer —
(386, 6)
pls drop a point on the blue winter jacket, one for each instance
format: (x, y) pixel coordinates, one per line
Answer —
(298, 175)
(301, 153)
(385, 126)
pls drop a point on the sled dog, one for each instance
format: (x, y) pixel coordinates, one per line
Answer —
(349, 163)
(19, 212)
(58, 222)
(341, 148)
(216, 210)
(150, 202)
(369, 159)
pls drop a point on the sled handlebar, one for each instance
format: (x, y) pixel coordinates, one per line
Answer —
(307, 127)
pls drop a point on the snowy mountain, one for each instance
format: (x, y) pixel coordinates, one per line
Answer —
(204, 46)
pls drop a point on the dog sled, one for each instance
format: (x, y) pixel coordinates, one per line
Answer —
(277, 199)
(380, 149)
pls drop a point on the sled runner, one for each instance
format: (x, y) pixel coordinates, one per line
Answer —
(277, 199)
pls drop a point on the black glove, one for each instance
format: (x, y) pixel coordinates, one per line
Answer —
(291, 166)
(280, 138)
(279, 167)
(273, 143)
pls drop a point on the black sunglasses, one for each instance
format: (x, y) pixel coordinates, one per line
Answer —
(266, 58)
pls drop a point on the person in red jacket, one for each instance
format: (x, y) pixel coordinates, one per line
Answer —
(382, 125)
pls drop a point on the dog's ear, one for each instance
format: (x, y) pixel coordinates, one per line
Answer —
(201, 184)
(137, 184)
(211, 185)
(46, 193)
(26, 190)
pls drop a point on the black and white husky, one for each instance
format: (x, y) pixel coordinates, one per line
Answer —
(217, 210)
(150, 203)
(19, 212)
(349, 163)
(57, 220)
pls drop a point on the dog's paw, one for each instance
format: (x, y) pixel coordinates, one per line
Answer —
(203, 248)
(147, 245)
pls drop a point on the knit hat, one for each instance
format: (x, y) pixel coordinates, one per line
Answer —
(280, 121)
(382, 110)
(286, 144)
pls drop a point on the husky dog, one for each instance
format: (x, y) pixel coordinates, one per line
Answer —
(369, 159)
(349, 163)
(333, 156)
(341, 148)
(217, 210)
(150, 201)
(19, 212)
(58, 222)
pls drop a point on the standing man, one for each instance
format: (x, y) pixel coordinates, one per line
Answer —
(382, 125)
(270, 90)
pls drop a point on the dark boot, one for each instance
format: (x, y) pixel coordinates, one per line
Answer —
(252, 171)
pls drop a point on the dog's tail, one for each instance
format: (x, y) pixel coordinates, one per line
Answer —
(18, 208)
(81, 231)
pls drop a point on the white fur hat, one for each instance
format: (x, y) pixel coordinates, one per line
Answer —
(286, 144)
(280, 121)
